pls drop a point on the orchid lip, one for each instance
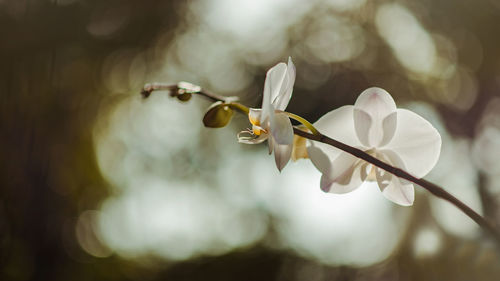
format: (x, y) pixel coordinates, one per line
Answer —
(257, 130)
(253, 121)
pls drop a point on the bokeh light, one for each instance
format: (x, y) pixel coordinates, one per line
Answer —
(427, 243)
(411, 43)
(337, 229)
(99, 184)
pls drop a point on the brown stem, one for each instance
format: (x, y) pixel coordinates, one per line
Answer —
(175, 88)
(429, 186)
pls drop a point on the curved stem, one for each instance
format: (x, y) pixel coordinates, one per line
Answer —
(317, 136)
(185, 87)
(304, 122)
(431, 187)
(238, 106)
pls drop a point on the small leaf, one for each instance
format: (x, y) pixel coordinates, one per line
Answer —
(218, 115)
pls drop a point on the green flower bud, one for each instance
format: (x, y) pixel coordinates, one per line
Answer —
(218, 115)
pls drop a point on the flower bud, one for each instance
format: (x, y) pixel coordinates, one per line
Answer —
(299, 149)
(218, 115)
(184, 96)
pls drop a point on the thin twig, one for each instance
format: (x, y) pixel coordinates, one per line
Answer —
(184, 87)
(429, 186)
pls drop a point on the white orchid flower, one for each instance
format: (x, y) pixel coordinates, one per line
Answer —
(374, 124)
(270, 122)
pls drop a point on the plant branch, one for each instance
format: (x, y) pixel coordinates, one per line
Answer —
(184, 87)
(429, 186)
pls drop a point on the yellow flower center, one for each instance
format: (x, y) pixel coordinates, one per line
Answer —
(256, 128)
(253, 120)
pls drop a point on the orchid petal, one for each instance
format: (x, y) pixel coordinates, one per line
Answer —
(389, 125)
(319, 159)
(345, 175)
(270, 144)
(363, 124)
(337, 124)
(393, 159)
(416, 142)
(281, 101)
(282, 129)
(251, 139)
(378, 105)
(282, 154)
(394, 189)
(272, 87)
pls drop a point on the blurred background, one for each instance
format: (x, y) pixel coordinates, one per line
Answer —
(98, 184)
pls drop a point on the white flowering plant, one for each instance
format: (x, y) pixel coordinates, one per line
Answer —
(372, 140)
